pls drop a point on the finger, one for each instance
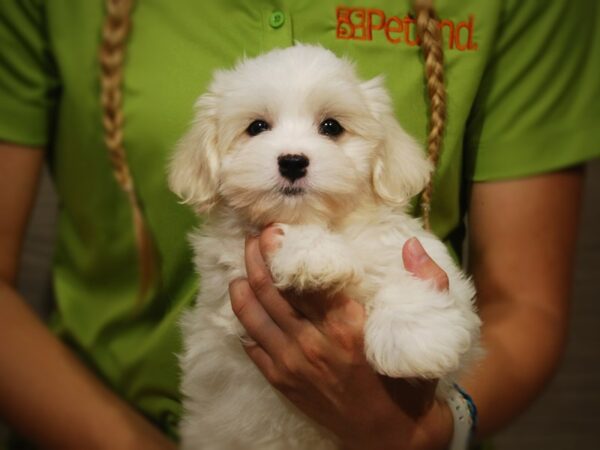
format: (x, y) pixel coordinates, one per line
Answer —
(262, 360)
(265, 291)
(420, 264)
(255, 320)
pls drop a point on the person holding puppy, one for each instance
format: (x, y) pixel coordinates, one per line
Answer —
(517, 127)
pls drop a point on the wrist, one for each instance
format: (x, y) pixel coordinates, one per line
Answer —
(434, 431)
(396, 430)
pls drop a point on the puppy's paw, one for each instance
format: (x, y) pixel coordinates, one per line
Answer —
(426, 336)
(312, 259)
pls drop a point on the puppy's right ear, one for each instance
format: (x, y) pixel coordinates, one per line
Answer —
(194, 169)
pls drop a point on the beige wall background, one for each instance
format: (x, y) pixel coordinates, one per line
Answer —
(566, 417)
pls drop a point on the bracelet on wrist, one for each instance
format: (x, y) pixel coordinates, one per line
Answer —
(464, 413)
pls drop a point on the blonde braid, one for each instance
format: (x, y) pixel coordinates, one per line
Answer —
(430, 35)
(115, 31)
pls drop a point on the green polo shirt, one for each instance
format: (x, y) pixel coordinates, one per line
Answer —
(523, 91)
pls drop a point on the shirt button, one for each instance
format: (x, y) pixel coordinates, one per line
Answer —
(277, 19)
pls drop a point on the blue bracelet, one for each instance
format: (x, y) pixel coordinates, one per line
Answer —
(471, 405)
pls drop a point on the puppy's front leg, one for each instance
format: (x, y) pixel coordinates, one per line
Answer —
(416, 331)
(311, 258)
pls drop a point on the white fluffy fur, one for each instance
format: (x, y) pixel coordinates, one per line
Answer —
(346, 231)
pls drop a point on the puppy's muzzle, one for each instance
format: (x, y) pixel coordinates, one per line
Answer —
(292, 167)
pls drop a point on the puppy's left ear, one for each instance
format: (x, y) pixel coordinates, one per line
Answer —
(400, 169)
(194, 169)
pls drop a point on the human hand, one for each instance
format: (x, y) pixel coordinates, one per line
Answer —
(311, 348)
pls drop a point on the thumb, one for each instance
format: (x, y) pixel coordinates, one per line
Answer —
(420, 264)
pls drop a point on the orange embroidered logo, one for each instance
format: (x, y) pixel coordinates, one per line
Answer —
(361, 23)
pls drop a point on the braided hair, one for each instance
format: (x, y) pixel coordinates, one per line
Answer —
(117, 24)
(430, 36)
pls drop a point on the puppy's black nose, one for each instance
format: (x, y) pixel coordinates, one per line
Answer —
(292, 167)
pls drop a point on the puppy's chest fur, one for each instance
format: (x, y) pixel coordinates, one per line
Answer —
(228, 402)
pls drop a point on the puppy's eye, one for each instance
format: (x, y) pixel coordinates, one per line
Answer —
(331, 127)
(257, 127)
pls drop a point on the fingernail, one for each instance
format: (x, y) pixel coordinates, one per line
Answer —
(416, 251)
(276, 228)
(270, 240)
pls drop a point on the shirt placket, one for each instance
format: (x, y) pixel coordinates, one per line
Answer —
(277, 29)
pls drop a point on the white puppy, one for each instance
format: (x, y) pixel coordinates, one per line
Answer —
(294, 137)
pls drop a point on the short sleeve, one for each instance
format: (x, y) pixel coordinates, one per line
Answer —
(538, 105)
(28, 81)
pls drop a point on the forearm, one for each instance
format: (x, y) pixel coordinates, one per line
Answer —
(523, 346)
(522, 268)
(47, 395)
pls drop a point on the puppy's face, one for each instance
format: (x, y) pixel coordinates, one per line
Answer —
(293, 136)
